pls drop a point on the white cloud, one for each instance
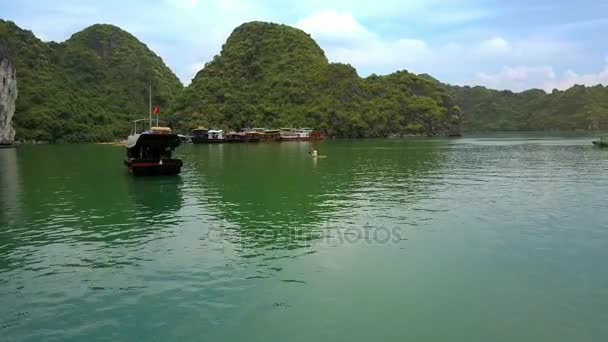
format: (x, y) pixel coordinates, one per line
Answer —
(495, 45)
(331, 25)
(346, 40)
(517, 78)
(376, 37)
(545, 77)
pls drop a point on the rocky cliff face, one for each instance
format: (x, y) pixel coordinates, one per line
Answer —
(8, 95)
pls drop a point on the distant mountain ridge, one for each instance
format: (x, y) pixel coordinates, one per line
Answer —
(577, 108)
(89, 87)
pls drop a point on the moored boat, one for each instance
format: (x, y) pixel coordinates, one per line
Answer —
(200, 135)
(253, 136)
(150, 152)
(272, 135)
(317, 135)
(236, 137)
(289, 134)
(215, 136)
(303, 134)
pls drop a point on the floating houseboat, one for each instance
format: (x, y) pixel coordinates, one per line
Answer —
(263, 134)
(200, 135)
(603, 142)
(271, 135)
(236, 137)
(317, 135)
(289, 134)
(303, 134)
(216, 136)
(150, 152)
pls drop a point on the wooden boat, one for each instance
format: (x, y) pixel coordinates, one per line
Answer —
(317, 135)
(149, 153)
(289, 134)
(304, 134)
(200, 135)
(253, 137)
(603, 142)
(266, 135)
(236, 137)
(300, 134)
(215, 136)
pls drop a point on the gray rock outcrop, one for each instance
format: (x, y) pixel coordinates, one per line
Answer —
(8, 96)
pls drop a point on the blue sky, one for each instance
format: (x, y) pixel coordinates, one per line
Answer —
(503, 44)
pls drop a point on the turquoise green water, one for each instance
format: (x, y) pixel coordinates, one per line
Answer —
(475, 239)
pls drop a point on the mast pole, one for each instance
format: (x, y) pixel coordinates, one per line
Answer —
(150, 105)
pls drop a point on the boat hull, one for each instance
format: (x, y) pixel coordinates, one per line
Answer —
(167, 167)
(199, 140)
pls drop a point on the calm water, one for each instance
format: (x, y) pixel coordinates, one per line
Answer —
(476, 239)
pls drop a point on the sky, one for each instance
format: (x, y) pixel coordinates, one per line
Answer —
(501, 44)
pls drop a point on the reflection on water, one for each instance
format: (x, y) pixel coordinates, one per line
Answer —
(281, 199)
(469, 238)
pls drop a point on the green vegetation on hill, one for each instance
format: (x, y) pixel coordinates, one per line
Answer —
(273, 75)
(87, 88)
(91, 86)
(577, 108)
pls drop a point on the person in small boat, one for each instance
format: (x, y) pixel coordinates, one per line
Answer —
(314, 153)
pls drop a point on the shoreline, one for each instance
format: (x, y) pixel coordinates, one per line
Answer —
(396, 136)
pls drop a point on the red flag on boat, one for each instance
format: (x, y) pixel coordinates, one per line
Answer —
(156, 110)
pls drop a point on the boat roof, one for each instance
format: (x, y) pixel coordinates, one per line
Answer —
(216, 131)
(151, 139)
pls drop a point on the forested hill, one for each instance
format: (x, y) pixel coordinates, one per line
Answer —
(91, 86)
(87, 88)
(273, 75)
(577, 108)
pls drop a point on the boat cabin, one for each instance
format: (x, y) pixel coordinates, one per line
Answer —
(200, 135)
(289, 134)
(304, 133)
(216, 135)
(150, 152)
